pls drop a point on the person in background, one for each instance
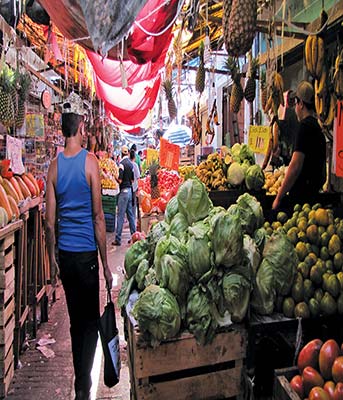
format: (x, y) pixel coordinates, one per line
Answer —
(124, 205)
(74, 194)
(136, 176)
(140, 154)
(138, 159)
(306, 172)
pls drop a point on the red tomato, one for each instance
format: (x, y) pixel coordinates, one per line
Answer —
(297, 385)
(309, 354)
(162, 204)
(337, 369)
(327, 355)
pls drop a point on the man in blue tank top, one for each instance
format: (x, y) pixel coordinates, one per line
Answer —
(74, 194)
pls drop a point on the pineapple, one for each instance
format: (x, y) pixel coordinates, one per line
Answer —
(264, 91)
(169, 92)
(24, 82)
(6, 100)
(240, 27)
(153, 169)
(200, 75)
(250, 87)
(237, 93)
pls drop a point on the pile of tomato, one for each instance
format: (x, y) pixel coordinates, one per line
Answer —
(168, 185)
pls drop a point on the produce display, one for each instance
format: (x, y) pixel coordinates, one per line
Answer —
(108, 173)
(320, 368)
(203, 266)
(235, 167)
(157, 188)
(317, 238)
(14, 189)
(273, 180)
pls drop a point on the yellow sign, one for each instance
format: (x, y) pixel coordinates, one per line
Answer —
(259, 137)
(151, 155)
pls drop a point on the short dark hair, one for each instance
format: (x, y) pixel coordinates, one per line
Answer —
(134, 147)
(310, 106)
(132, 154)
(70, 124)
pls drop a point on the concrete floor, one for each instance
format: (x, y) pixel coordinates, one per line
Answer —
(42, 378)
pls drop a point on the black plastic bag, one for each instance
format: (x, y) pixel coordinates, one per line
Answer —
(110, 343)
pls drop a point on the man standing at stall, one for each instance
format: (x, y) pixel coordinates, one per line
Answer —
(74, 194)
(306, 172)
(125, 179)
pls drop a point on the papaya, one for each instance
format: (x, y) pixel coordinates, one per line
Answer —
(14, 206)
(34, 181)
(25, 190)
(16, 186)
(30, 185)
(4, 202)
(3, 217)
(9, 189)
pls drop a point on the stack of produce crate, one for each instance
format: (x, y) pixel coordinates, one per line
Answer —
(109, 205)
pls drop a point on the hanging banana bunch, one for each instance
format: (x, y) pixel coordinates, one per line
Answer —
(275, 94)
(338, 76)
(196, 125)
(212, 119)
(200, 74)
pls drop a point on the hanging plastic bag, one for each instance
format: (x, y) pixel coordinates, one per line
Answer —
(110, 343)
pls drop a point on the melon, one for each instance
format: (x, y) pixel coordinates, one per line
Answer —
(3, 217)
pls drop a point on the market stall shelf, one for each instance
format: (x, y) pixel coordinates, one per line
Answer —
(179, 368)
(8, 260)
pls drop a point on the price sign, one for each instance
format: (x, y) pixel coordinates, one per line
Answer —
(169, 155)
(259, 137)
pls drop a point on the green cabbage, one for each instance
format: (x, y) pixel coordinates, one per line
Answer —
(171, 209)
(254, 178)
(150, 277)
(227, 240)
(193, 200)
(250, 212)
(251, 251)
(260, 237)
(246, 154)
(125, 290)
(141, 273)
(199, 250)
(276, 273)
(134, 255)
(235, 150)
(236, 293)
(199, 318)
(157, 231)
(172, 246)
(172, 274)
(235, 174)
(178, 226)
(158, 313)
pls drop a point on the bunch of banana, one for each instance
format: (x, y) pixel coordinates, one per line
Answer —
(314, 55)
(338, 76)
(328, 122)
(186, 171)
(275, 97)
(321, 92)
(211, 172)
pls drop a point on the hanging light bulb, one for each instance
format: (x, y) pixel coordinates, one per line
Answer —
(207, 46)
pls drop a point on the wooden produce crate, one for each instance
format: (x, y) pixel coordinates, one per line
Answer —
(7, 309)
(181, 369)
(282, 389)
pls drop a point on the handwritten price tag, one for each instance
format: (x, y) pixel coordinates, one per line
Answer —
(259, 137)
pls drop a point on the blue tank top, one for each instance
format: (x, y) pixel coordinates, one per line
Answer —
(74, 204)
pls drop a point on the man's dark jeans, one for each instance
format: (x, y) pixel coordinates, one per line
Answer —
(79, 273)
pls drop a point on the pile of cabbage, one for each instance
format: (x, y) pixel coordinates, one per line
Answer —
(204, 266)
(243, 169)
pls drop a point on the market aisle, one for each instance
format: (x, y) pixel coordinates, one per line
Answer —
(42, 378)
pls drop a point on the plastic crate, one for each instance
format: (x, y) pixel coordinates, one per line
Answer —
(109, 204)
(110, 220)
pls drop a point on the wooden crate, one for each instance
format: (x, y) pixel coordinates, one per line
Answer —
(181, 369)
(282, 389)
